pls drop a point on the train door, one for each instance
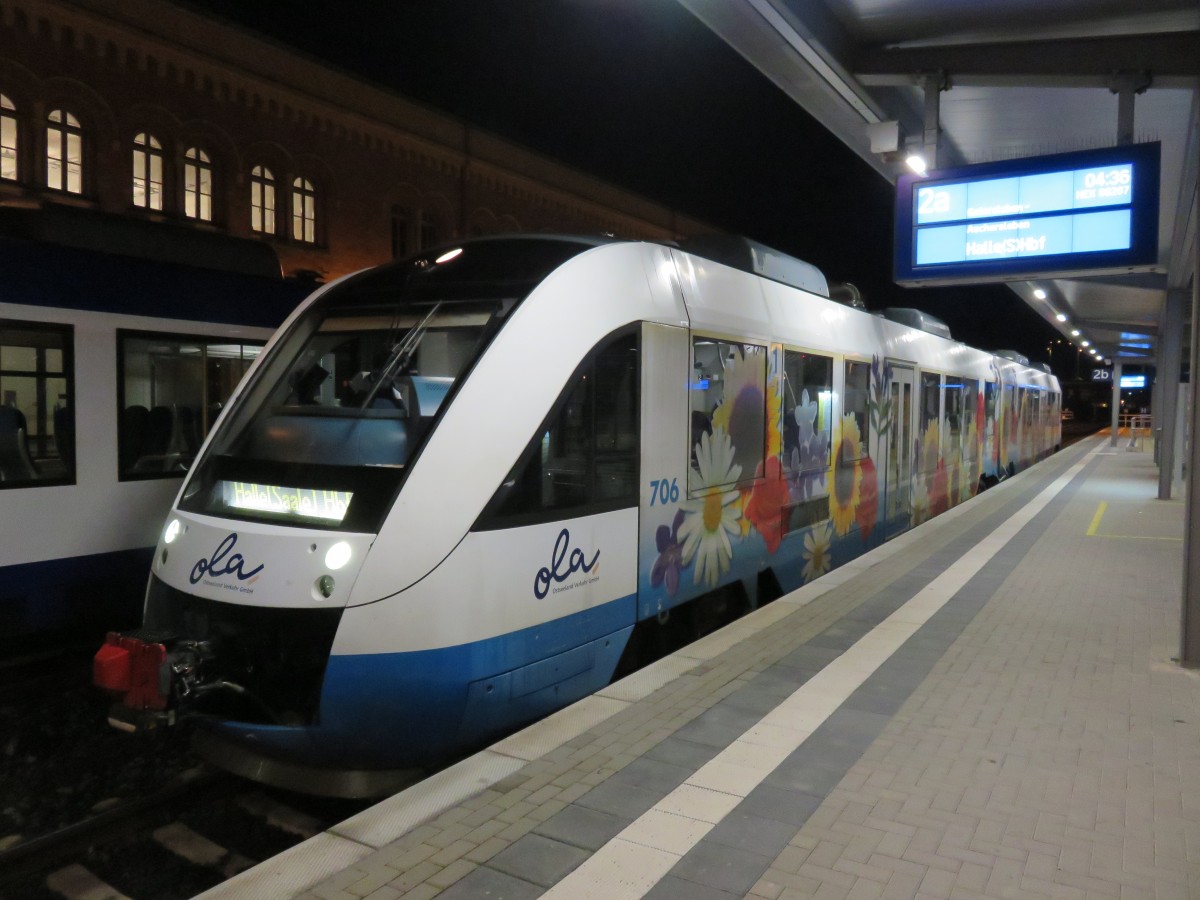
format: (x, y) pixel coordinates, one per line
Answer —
(897, 452)
(666, 429)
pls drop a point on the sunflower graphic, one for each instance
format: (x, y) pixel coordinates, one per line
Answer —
(709, 520)
(845, 475)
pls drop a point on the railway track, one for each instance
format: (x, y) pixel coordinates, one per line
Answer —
(178, 842)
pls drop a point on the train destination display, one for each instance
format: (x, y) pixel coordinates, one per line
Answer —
(290, 502)
(1056, 215)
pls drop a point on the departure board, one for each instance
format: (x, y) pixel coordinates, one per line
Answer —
(1045, 216)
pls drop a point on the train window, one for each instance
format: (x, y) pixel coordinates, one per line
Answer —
(171, 389)
(955, 427)
(970, 427)
(728, 412)
(807, 413)
(857, 403)
(929, 435)
(37, 421)
(585, 458)
(8, 139)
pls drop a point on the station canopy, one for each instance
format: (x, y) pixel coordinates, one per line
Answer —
(1000, 81)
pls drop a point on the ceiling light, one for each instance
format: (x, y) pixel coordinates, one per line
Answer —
(1074, 332)
(916, 162)
(1062, 317)
(1039, 293)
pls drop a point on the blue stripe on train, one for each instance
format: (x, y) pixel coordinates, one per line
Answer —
(390, 710)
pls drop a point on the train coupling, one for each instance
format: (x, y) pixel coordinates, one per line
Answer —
(155, 675)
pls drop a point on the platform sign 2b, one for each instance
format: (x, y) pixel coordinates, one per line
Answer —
(1101, 375)
(1069, 213)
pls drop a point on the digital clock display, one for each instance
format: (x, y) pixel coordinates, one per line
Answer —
(1096, 210)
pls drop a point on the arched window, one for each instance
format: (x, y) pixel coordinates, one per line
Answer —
(147, 172)
(64, 152)
(262, 200)
(427, 231)
(8, 139)
(304, 211)
(197, 185)
(400, 220)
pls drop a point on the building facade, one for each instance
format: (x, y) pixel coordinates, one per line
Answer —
(145, 110)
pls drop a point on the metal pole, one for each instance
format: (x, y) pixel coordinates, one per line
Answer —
(1166, 384)
(1189, 631)
(1116, 403)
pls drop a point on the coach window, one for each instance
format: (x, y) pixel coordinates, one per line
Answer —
(8, 139)
(37, 421)
(727, 397)
(170, 390)
(807, 412)
(955, 428)
(929, 436)
(197, 185)
(585, 458)
(304, 211)
(147, 172)
(64, 152)
(262, 200)
(856, 403)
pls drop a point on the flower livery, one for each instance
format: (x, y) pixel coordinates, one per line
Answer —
(670, 555)
(766, 502)
(808, 460)
(710, 519)
(817, 553)
(845, 475)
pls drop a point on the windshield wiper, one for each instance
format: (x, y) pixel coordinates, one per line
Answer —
(401, 354)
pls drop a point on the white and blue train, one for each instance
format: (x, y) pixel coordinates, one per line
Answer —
(455, 491)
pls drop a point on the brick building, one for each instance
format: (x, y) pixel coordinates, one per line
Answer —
(150, 112)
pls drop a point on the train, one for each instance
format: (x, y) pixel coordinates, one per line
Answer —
(112, 368)
(459, 491)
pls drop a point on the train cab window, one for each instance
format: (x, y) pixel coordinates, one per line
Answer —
(171, 389)
(585, 457)
(728, 413)
(857, 403)
(8, 139)
(37, 419)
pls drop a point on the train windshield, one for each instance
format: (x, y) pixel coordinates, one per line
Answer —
(344, 401)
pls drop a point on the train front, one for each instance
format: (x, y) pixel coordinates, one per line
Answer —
(259, 558)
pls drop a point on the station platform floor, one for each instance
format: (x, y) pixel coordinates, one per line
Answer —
(984, 707)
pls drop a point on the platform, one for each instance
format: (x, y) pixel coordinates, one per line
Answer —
(985, 707)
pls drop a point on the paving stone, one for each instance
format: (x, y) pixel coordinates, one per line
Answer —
(538, 859)
(589, 829)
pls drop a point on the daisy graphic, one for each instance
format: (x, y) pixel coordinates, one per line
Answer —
(817, 555)
(711, 518)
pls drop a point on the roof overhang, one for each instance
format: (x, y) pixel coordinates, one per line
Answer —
(1022, 78)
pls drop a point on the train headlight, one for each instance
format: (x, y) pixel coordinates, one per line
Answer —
(337, 556)
(172, 531)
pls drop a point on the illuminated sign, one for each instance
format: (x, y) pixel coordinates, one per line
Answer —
(1088, 212)
(1101, 375)
(290, 502)
(1133, 381)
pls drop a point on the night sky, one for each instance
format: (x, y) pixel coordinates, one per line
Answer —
(640, 94)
